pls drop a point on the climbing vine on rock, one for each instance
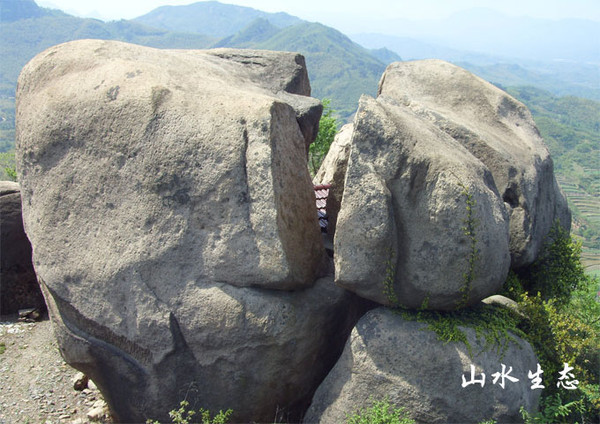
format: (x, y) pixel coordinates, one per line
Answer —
(388, 282)
(470, 231)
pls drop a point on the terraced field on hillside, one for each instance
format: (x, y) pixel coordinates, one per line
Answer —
(586, 219)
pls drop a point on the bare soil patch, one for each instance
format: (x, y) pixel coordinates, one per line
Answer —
(36, 385)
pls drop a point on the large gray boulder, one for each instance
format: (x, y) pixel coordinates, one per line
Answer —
(499, 131)
(420, 218)
(178, 161)
(387, 356)
(260, 352)
(173, 221)
(19, 288)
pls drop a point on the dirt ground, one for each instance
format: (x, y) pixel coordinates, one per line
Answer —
(36, 385)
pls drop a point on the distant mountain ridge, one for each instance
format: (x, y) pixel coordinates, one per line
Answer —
(212, 18)
(14, 10)
(488, 32)
(559, 77)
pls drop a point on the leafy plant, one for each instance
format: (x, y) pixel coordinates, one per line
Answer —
(495, 325)
(328, 126)
(11, 173)
(7, 166)
(552, 411)
(558, 272)
(2, 348)
(183, 415)
(380, 412)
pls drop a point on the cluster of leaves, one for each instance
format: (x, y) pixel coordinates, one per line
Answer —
(557, 273)
(380, 412)
(7, 166)
(184, 415)
(552, 410)
(496, 325)
(328, 127)
(562, 323)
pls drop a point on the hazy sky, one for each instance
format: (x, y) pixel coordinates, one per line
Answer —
(348, 16)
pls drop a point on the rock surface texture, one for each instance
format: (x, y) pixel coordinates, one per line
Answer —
(173, 220)
(499, 131)
(387, 356)
(19, 288)
(418, 211)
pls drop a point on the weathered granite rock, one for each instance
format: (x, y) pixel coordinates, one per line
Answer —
(165, 194)
(173, 160)
(19, 288)
(499, 131)
(333, 171)
(259, 352)
(418, 211)
(388, 356)
(285, 76)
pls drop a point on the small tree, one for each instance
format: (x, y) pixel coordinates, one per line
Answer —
(328, 126)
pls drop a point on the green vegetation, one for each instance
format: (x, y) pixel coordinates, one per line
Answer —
(388, 282)
(552, 410)
(493, 324)
(2, 348)
(380, 412)
(7, 166)
(571, 128)
(184, 415)
(563, 325)
(328, 127)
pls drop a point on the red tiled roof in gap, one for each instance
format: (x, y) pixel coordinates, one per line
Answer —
(321, 194)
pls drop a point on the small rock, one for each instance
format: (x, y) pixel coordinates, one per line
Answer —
(29, 315)
(95, 414)
(80, 381)
(99, 404)
(91, 385)
(64, 417)
(505, 302)
(78, 421)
